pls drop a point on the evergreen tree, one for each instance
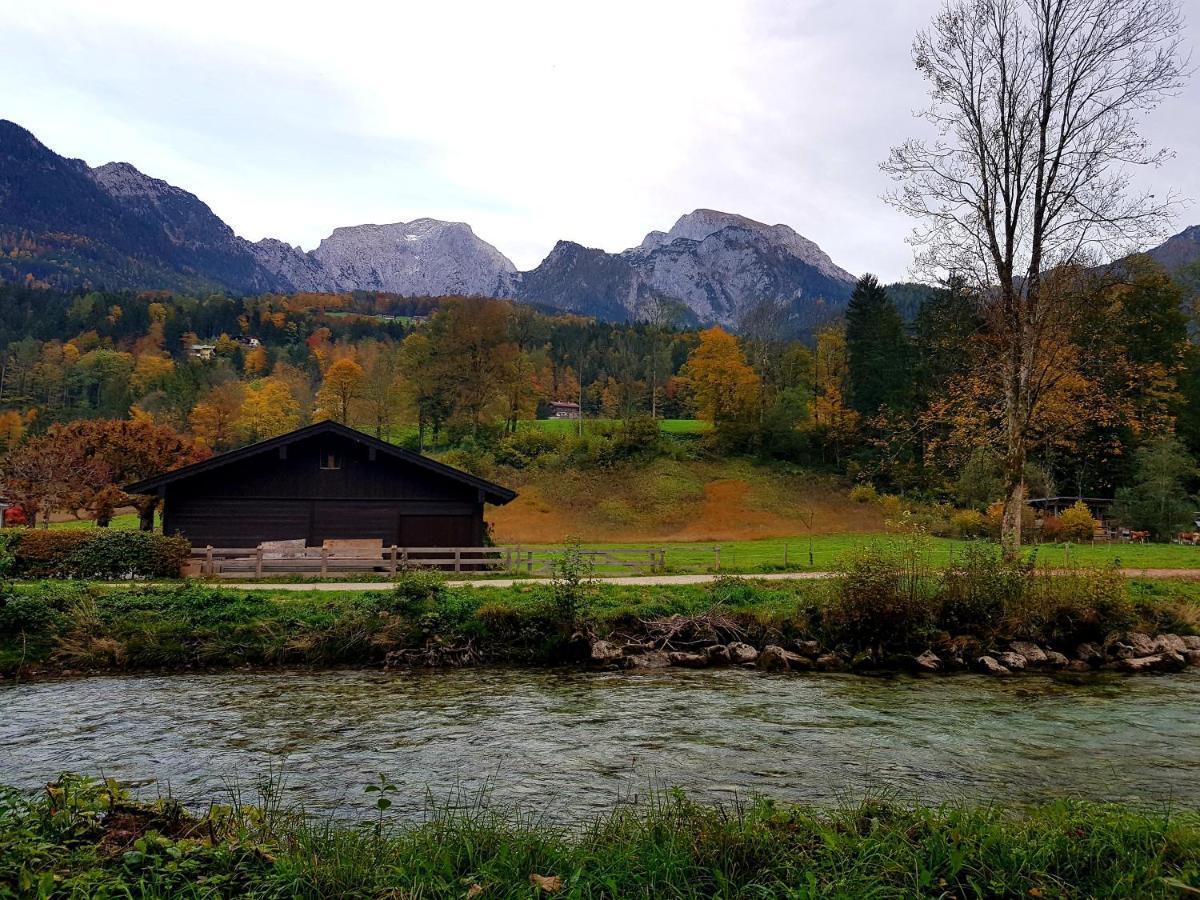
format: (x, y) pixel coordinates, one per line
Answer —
(877, 349)
(1158, 499)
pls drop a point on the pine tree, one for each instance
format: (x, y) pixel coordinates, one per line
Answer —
(878, 351)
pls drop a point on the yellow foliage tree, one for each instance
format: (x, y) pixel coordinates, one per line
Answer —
(255, 362)
(149, 372)
(214, 419)
(268, 410)
(341, 389)
(1076, 524)
(723, 386)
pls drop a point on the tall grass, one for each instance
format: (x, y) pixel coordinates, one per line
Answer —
(87, 839)
(892, 596)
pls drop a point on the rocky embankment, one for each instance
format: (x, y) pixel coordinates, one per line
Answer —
(690, 647)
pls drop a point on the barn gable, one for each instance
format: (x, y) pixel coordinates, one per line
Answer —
(323, 482)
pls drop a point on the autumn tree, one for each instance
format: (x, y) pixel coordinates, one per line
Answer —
(123, 451)
(471, 351)
(430, 392)
(340, 391)
(722, 384)
(268, 410)
(1037, 105)
(43, 475)
(382, 395)
(214, 419)
(832, 415)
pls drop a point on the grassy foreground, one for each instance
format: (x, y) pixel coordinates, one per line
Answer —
(84, 838)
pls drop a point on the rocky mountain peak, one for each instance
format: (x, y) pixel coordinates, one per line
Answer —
(424, 256)
(1179, 251)
(702, 224)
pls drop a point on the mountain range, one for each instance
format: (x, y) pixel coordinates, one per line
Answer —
(67, 225)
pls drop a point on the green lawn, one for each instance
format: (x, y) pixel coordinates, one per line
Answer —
(668, 426)
(128, 522)
(825, 551)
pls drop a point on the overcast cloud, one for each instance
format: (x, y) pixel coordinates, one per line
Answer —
(533, 121)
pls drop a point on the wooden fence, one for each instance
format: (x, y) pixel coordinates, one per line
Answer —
(233, 562)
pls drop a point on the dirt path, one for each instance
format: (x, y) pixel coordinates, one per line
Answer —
(1176, 574)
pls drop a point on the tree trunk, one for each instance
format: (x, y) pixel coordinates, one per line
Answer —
(145, 510)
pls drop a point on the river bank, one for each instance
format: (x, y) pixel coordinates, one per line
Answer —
(878, 614)
(81, 838)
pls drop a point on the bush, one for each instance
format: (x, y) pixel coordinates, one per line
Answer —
(979, 588)
(884, 598)
(968, 523)
(27, 614)
(1076, 524)
(1051, 530)
(1070, 607)
(95, 553)
(417, 591)
(9, 538)
(864, 493)
(471, 459)
(527, 447)
(995, 518)
(573, 583)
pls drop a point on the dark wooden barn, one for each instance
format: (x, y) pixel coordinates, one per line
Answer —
(323, 482)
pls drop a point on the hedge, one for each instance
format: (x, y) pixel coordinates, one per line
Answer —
(90, 553)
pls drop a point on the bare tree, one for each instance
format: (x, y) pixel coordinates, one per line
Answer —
(1036, 105)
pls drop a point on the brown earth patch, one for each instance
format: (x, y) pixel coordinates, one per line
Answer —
(677, 502)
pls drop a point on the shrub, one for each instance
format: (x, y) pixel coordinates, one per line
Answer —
(9, 539)
(885, 598)
(1069, 607)
(572, 584)
(97, 553)
(1051, 530)
(27, 614)
(637, 437)
(526, 447)
(1076, 524)
(417, 591)
(979, 588)
(995, 518)
(471, 459)
(891, 506)
(968, 523)
(864, 493)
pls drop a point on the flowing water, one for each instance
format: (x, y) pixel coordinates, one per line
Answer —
(571, 743)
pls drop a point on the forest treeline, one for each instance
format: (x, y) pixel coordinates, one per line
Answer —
(904, 402)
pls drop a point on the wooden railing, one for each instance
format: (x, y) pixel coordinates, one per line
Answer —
(229, 562)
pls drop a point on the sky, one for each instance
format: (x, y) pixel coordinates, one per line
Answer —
(532, 120)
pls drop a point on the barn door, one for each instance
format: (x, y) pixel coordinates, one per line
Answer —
(438, 531)
(354, 520)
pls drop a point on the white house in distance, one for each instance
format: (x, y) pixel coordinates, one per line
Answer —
(202, 351)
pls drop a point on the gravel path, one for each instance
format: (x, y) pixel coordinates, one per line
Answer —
(1182, 574)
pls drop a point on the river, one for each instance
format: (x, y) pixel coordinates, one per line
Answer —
(567, 743)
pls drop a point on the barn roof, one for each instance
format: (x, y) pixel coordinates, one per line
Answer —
(492, 492)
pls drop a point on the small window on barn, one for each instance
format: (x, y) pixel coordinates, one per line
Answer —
(331, 459)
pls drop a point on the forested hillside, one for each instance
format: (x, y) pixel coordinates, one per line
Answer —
(897, 397)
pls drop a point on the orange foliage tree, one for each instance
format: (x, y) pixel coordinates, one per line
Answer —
(214, 419)
(122, 451)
